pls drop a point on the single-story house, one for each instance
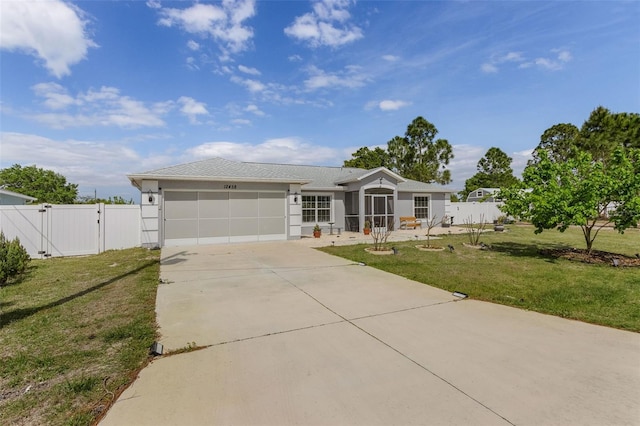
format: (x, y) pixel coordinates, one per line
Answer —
(218, 200)
(10, 198)
(483, 194)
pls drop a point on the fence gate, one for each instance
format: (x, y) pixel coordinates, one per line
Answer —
(72, 230)
(53, 230)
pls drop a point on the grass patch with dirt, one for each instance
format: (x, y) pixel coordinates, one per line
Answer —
(518, 270)
(74, 332)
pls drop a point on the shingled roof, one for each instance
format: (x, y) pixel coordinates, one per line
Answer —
(311, 177)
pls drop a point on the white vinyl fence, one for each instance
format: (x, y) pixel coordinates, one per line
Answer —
(462, 212)
(51, 230)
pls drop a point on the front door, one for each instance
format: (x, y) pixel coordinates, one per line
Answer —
(379, 210)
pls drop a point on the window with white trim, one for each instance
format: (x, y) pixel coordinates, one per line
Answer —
(316, 208)
(421, 206)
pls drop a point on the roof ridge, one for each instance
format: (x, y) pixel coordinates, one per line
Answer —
(302, 165)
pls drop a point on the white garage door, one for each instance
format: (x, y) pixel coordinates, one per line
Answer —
(222, 217)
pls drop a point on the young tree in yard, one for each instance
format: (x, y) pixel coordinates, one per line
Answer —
(45, 185)
(577, 192)
(494, 171)
(430, 224)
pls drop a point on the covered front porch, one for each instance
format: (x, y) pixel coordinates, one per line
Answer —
(373, 205)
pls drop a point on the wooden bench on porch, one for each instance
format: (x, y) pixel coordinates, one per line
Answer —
(407, 222)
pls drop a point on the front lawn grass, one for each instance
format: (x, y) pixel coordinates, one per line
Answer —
(73, 333)
(514, 272)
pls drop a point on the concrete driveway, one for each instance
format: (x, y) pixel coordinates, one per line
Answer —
(295, 336)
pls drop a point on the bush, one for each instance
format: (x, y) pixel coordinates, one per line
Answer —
(13, 258)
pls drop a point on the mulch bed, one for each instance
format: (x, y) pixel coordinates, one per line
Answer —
(596, 256)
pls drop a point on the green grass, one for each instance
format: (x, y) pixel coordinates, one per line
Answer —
(73, 334)
(514, 273)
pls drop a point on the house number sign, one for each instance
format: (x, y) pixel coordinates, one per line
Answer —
(231, 187)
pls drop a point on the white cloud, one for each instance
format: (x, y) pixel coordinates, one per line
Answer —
(390, 105)
(154, 4)
(390, 58)
(295, 58)
(564, 56)
(103, 107)
(254, 86)
(241, 122)
(224, 23)
(520, 160)
(192, 108)
(193, 45)
(191, 63)
(511, 57)
(287, 150)
(351, 77)
(551, 64)
(53, 31)
(326, 25)
(254, 110)
(491, 66)
(464, 164)
(56, 96)
(248, 70)
(81, 162)
(555, 64)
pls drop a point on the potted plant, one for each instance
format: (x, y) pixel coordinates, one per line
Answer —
(367, 227)
(498, 225)
(445, 221)
(317, 231)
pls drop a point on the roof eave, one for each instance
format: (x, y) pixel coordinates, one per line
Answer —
(137, 178)
(443, 190)
(325, 188)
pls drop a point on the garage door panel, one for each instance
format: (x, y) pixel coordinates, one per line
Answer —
(244, 227)
(271, 226)
(243, 204)
(180, 229)
(272, 204)
(213, 205)
(181, 205)
(213, 228)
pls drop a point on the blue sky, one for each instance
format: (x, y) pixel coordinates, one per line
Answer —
(98, 89)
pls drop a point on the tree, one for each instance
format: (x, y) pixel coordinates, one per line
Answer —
(494, 171)
(429, 156)
(559, 141)
(578, 192)
(45, 185)
(116, 199)
(365, 158)
(603, 132)
(416, 155)
(401, 155)
(600, 135)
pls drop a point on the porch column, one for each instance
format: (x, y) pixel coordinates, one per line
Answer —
(361, 209)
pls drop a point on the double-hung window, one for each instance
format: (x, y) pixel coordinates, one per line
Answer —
(421, 206)
(316, 208)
